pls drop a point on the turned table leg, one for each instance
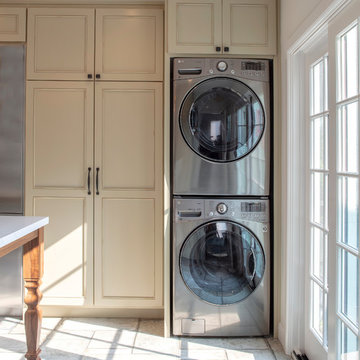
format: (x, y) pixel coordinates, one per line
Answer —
(33, 268)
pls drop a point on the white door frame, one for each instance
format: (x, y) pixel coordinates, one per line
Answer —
(291, 331)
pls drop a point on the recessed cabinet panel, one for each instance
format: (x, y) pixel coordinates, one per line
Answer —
(222, 26)
(13, 24)
(129, 44)
(128, 248)
(60, 120)
(194, 26)
(67, 241)
(128, 119)
(60, 44)
(249, 27)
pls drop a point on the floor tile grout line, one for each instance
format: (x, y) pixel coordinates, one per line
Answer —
(269, 346)
(50, 335)
(137, 331)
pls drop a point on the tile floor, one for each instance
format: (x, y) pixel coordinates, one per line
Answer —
(128, 339)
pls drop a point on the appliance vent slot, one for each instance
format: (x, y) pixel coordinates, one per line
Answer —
(253, 65)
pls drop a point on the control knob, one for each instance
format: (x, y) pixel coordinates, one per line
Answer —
(221, 208)
(222, 66)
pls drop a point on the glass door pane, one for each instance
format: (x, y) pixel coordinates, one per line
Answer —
(347, 224)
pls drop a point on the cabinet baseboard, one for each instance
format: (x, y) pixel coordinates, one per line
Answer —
(69, 311)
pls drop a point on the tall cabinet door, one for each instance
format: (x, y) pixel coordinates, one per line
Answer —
(128, 205)
(59, 152)
(249, 27)
(129, 44)
(60, 44)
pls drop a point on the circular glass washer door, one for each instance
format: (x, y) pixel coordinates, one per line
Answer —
(222, 119)
(222, 262)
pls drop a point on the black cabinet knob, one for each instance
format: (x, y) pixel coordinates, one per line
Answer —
(218, 48)
(89, 76)
(98, 76)
(226, 49)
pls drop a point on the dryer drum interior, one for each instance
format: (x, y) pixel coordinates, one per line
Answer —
(222, 262)
(222, 119)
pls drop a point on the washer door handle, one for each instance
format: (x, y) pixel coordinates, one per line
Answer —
(252, 255)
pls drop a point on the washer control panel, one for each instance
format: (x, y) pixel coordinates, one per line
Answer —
(256, 210)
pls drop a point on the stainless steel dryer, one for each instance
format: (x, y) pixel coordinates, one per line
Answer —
(221, 267)
(221, 127)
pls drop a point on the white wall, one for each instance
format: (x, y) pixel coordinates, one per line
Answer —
(296, 17)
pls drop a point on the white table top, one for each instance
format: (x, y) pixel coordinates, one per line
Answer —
(15, 227)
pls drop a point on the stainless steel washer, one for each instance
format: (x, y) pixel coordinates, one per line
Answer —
(221, 267)
(221, 127)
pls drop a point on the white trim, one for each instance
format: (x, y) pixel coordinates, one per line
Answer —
(295, 205)
(291, 333)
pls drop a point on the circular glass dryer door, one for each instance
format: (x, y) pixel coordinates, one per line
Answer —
(222, 262)
(222, 119)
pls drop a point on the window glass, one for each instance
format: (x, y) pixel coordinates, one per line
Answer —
(348, 143)
(349, 64)
(349, 286)
(348, 211)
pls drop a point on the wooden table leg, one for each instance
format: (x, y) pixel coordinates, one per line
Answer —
(33, 268)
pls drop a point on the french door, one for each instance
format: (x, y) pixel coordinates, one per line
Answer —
(332, 295)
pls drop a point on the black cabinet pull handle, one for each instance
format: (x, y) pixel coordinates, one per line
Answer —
(218, 48)
(97, 76)
(89, 76)
(88, 181)
(97, 181)
(226, 49)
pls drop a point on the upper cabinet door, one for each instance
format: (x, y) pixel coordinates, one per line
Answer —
(129, 44)
(13, 24)
(194, 26)
(249, 27)
(60, 44)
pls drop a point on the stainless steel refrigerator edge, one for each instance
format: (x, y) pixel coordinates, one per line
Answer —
(12, 100)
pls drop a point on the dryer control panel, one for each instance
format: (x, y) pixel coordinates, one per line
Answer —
(250, 69)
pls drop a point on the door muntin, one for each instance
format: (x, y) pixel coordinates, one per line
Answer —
(222, 262)
(222, 119)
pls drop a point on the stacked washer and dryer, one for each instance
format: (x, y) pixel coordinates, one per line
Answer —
(221, 170)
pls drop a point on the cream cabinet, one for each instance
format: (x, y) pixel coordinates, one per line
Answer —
(222, 26)
(129, 44)
(59, 151)
(12, 24)
(123, 182)
(65, 44)
(128, 203)
(60, 44)
(94, 153)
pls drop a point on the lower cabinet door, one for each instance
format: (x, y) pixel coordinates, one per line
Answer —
(128, 203)
(68, 267)
(128, 253)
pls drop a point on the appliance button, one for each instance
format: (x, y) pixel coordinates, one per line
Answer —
(221, 66)
(232, 71)
(211, 71)
(221, 208)
(211, 213)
